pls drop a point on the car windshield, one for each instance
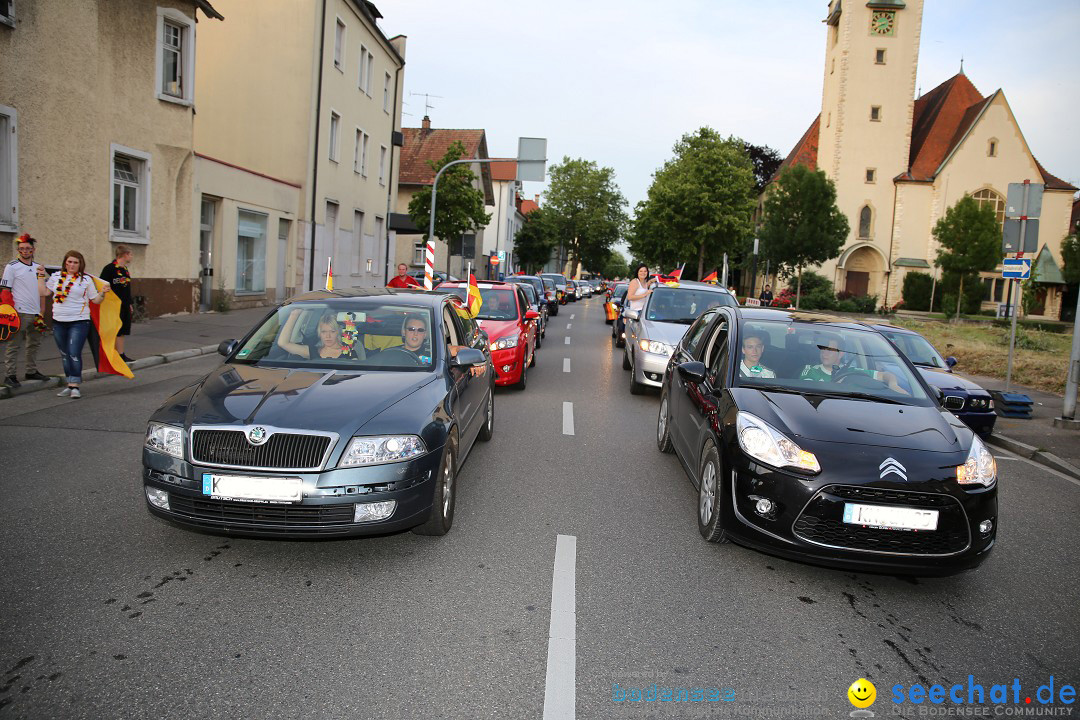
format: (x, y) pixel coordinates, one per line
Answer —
(557, 279)
(497, 303)
(916, 348)
(619, 293)
(811, 358)
(342, 335)
(530, 292)
(682, 305)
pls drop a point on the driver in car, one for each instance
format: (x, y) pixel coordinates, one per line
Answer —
(414, 334)
(830, 367)
(753, 345)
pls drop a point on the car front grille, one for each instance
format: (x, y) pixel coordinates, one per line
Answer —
(281, 451)
(230, 512)
(821, 522)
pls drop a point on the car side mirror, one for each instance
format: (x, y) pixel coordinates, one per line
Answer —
(631, 314)
(951, 362)
(692, 372)
(468, 356)
(226, 347)
(532, 315)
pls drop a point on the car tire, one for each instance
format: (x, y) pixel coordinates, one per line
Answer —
(710, 518)
(554, 311)
(663, 427)
(444, 497)
(532, 360)
(626, 360)
(539, 340)
(522, 381)
(636, 388)
(488, 428)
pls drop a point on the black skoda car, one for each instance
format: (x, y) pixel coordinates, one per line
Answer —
(341, 413)
(801, 443)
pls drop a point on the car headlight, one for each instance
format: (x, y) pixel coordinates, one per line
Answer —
(504, 343)
(980, 468)
(977, 402)
(381, 449)
(766, 444)
(654, 346)
(167, 439)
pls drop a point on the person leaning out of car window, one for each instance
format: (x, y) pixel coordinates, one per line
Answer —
(753, 345)
(639, 289)
(831, 366)
(327, 345)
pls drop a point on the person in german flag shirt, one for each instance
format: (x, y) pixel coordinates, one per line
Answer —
(119, 277)
(403, 279)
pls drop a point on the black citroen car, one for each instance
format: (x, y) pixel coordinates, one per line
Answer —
(341, 413)
(800, 444)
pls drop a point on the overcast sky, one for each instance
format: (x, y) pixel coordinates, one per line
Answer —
(618, 82)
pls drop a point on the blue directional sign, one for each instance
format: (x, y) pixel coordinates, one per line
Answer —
(1018, 269)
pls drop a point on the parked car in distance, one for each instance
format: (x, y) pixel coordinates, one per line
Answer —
(832, 463)
(584, 289)
(963, 398)
(510, 324)
(561, 289)
(282, 441)
(551, 294)
(539, 301)
(653, 333)
(535, 303)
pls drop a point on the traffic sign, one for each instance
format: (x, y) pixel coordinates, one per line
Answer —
(1011, 236)
(1014, 202)
(1018, 269)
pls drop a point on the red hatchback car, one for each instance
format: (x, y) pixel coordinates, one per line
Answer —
(510, 325)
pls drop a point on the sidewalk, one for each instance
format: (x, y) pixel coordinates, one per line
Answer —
(163, 339)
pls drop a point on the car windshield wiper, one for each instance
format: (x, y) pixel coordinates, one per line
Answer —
(925, 364)
(856, 395)
(774, 388)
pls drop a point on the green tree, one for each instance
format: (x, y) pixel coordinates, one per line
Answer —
(535, 241)
(459, 205)
(586, 210)
(970, 241)
(699, 204)
(615, 267)
(766, 162)
(1070, 255)
(803, 227)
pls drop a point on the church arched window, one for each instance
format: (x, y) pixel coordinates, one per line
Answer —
(865, 220)
(986, 196)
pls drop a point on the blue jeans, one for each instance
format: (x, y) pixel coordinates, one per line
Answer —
(70, 337)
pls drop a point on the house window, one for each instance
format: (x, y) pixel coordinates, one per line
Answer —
(879, 56)
(367, 68)
(370, 73)
(7, 12)
(418, 255)
(382, 164)
(335, 126)
(380, 238)
(871, 175)
(9, 167)
(357, 165)
(358, 240)
(175, 56)
(386, 93)
(339, 44)
(875, 113)
(251, 252)
(986, 196)
(130, 195)
(865, 219)
(992, 147)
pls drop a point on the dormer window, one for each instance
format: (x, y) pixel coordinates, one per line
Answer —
(992, 148)
(875, 113)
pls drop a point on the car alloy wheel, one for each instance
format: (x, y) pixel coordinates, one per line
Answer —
(523, 381)
(710, 524)
(663, 427)
(626, 360)
(444, 496)
(489, 416)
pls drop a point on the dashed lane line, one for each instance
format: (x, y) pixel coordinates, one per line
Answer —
(568, 418)
(560, 689)
(566, 365)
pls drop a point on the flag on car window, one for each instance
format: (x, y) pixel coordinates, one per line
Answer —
(474, 301)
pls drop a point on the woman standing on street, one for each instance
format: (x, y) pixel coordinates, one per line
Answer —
(640, 288)
(118, 276)
(73, 291)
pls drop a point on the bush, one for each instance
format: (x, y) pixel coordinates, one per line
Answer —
(973, 294)
(817, 292)
(916, 291)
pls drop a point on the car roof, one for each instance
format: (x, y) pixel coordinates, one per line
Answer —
(781, 314)
(420, 298)
(479, 283)
(694, 285)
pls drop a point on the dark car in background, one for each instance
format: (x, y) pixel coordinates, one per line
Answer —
(618, 325)
(551, 294)
(561, 289)
(965, 399)
(843, 468)
(437, 277)
(539, 299)
(540, 307)
(280, 441)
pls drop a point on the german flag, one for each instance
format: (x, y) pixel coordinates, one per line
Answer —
(710, 278)
(474, 299)
(105, 321)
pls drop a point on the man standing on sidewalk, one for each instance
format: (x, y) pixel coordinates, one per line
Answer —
(21, 280)
(403, 279)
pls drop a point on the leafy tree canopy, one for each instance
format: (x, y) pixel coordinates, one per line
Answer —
(535, 241)
(766, 162)
(969, 240)
(1070, 254)
(615, 266)
(586, 210)
(459, 205)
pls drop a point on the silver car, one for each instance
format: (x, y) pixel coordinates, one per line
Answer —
(653, 333)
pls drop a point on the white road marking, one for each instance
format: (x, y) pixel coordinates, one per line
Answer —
(566, 364)
(571, 316)
(1039, 466)
(567, 341)
(568, 418)
(560, 689)
(568, 325)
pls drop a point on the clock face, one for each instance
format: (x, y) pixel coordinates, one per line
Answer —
(883, 22)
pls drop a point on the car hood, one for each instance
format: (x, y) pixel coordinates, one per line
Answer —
(859, 422)
(670, 333)
(499, 328)
(939, 377)
(324, 400)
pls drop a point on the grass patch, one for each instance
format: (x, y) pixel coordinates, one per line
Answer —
(1040, 361)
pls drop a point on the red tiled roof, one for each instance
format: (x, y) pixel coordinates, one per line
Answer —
(527, 206)
(804, 152)
(504, 171)
(1052, 182)
(942, 117)
(422, 146)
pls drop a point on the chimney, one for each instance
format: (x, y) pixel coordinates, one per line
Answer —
(537, 197)
(426, 123)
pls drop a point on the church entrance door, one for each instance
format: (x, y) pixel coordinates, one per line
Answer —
(857, 282)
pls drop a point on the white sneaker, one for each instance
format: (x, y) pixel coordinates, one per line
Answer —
(64, 393)
(75, 394)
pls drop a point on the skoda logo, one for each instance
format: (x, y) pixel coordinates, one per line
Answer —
(891, 465)
(257, 435)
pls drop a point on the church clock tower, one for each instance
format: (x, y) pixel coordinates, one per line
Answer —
(864, 139)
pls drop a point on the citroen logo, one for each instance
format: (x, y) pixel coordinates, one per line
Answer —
(257, 435)
(891, 465)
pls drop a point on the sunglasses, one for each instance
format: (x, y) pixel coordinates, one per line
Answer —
(416, 329)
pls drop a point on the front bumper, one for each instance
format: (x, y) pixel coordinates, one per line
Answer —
(981, 421)
(649, 367)
(326, 509)
(509, 364)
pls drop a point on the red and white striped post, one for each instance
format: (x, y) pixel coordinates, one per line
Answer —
(429, 264)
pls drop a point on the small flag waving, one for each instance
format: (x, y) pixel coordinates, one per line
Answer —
(329, 276)
(105, 319)
(710, 278)
(677, 274)
(475, 301)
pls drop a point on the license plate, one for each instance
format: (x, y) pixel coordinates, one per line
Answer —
(890, 518)
(257, 489)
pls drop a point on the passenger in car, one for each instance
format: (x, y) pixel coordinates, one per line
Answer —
(831, 366)
(327, 346)
(753, 345)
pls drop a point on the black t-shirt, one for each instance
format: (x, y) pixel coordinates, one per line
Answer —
(315, 346)
(120, 280)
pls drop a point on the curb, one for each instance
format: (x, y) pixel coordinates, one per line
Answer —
(29, 386)
(1030, 452)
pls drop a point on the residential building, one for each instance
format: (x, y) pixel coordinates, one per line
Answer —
(296, 148)
(900, 161)
(424, 145)
(96, 108)
(506, 220)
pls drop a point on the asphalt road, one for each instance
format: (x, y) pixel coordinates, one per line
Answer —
(108, 612)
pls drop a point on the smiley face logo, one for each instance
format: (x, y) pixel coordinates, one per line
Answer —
(862, 693)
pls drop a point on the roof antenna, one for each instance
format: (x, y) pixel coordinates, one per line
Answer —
(427, 102)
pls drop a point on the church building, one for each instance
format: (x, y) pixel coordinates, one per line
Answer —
(900, 162)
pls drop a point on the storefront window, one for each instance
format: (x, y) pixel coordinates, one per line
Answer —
(251, 252)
